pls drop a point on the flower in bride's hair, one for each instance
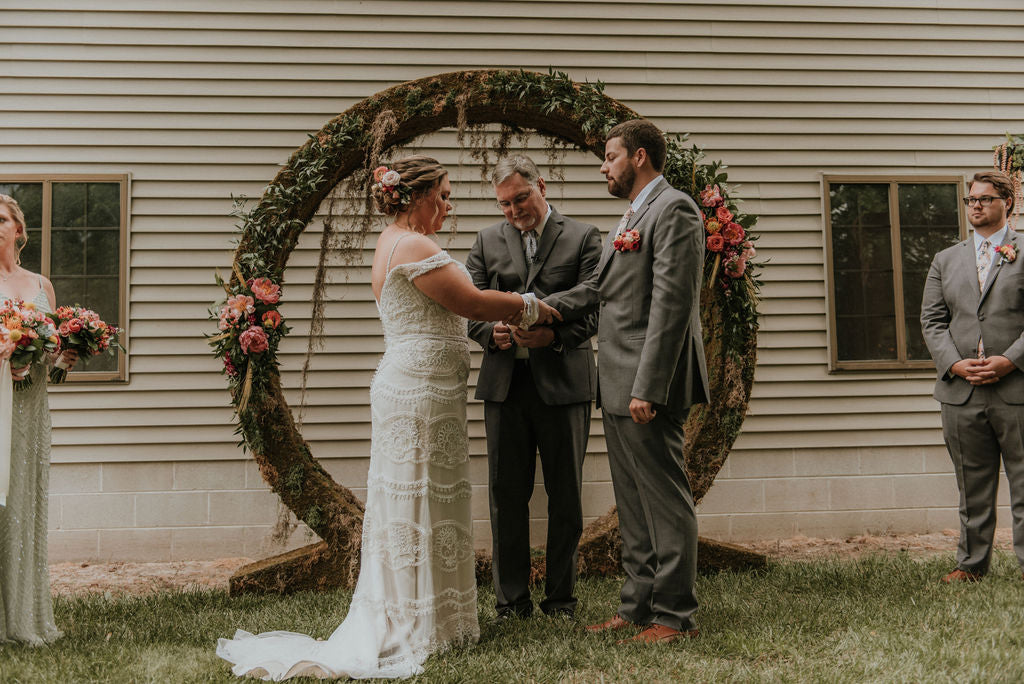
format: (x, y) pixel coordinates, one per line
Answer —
(379, 172)
(253, 340)
(391, 178)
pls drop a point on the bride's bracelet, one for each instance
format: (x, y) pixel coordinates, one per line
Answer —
(531, 310)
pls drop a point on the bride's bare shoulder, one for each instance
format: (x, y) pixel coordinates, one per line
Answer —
(410, 248)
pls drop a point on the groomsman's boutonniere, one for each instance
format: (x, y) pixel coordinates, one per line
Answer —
(627, 242)
(1008, 253)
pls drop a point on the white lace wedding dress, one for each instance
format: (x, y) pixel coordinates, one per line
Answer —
(416, 592)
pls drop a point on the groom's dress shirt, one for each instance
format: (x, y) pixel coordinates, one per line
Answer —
(538, 230)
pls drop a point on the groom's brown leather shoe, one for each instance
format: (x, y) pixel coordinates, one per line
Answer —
(660, 634)
(959, 575)
(617, 622)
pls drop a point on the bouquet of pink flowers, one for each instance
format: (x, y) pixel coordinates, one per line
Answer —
(83, 331)
(32, 333)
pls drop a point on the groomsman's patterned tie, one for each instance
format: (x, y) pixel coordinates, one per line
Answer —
(530, 245)
(984, 266)
(984, 263)
(625, 219)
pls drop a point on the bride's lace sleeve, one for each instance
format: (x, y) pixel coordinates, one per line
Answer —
(424, 266)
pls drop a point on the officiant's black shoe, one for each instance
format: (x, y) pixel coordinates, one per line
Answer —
(617, 622)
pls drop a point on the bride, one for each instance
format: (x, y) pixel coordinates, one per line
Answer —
(416, 592)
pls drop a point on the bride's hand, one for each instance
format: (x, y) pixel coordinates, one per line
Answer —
(517, 317)
(547, 313)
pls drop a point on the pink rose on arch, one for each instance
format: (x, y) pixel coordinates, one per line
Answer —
(711, 196)
(253, 340)
(265, 291)
(716, 243)
(734, 268)
(723, 214)
(748, 250)
(733, 233)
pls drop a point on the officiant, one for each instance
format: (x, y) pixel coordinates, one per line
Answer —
(537, 385)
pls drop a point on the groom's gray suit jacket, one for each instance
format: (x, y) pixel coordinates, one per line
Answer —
(955, 314)
(649, 339)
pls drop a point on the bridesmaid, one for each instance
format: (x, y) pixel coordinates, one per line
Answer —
(26, 609)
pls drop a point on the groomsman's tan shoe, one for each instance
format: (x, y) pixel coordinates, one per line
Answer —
(660, 634)
(959, 575)
(617, 622)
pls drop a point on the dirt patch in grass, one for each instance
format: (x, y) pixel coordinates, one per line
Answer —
(142, 578)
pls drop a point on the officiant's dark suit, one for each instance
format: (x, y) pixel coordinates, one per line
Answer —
(650, 370)
(537, 386)
(974, 296)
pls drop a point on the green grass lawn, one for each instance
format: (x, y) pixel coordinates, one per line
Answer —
(873, 619)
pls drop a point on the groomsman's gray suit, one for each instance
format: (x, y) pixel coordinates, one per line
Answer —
(979, 423)
(540, 403)
(650, 346)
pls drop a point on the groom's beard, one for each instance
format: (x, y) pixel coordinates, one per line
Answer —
(621, 187)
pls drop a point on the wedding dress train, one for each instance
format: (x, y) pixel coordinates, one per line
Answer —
(416, 592)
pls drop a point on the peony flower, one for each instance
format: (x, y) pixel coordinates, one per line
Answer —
(712, 226)
(75, 325)
(379, 172)
(711, 197)
(253, 340)
(734, 268)
(391, 178)
(271, 319)
(723, 214)
(748, 250)
(716, 243)
(733, 233)
(265, 290)
(238, 306)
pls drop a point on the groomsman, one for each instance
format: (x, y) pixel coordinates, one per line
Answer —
(536, 385)
(972, 315)
(650, 370)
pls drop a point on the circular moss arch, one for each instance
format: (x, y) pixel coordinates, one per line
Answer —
(550, 104)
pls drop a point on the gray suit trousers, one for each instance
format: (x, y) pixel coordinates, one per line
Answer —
(976, 432)
(657, 520)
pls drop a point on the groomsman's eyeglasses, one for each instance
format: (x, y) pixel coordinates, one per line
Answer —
(984, 201)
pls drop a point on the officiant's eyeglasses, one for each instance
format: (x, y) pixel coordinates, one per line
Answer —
(518, 200)
(984, 201)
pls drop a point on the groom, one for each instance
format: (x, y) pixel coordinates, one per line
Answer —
(650, 370)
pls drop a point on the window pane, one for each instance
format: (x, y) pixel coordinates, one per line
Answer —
(69, 206)
(102, 256)
(929, 222)
(862, 265)
(29, 197)
(104, 205)
(67, 252)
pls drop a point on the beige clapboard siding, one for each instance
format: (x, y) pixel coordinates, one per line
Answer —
(198, 103)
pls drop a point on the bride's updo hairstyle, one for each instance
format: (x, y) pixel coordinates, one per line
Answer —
(416, 176)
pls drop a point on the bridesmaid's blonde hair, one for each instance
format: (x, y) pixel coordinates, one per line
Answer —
(19, 216)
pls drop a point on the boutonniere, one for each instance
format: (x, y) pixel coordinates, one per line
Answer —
(628, 241)
(1008, 253)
